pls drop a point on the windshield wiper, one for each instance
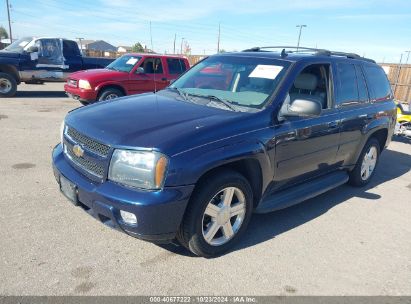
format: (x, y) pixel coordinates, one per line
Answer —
(215, 98)
(180, 92)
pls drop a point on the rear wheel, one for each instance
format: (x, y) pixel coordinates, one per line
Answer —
(110, 93)
(218, 214)
(8, 85)
(367, 162)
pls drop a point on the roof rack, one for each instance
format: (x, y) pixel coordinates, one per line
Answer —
(316, 51)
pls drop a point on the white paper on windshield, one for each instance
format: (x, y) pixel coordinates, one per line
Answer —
(266, 71)
(132, 61)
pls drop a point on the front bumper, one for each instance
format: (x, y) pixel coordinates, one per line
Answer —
(159, 213)
(80, 94)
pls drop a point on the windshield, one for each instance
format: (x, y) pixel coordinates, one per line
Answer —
(18, 45)
(245, 82)
(124, 64)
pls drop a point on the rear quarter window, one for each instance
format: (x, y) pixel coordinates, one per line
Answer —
(378, 83)
(70, 48)
(176, 66)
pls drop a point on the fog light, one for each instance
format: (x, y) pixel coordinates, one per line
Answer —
(128, 217)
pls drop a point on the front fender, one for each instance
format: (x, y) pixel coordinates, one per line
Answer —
(190, 166)
(110, 83)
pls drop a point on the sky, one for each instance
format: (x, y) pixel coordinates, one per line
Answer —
(378, 29)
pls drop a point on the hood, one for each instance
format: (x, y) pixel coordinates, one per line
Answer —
(153, 121)
(6, 54)
(96, 75)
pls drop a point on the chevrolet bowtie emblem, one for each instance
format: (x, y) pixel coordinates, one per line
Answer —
(78, 151)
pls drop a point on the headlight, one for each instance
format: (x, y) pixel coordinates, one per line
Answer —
(62, 128)
(84, 84)
(140, 169)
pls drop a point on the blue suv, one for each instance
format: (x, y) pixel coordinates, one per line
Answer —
(253, 131)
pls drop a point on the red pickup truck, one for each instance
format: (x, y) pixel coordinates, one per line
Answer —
(127, 75)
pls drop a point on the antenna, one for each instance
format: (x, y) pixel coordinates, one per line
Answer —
(155, 61)
(218, 40)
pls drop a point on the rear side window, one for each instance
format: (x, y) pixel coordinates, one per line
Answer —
(176, 66)
(362, 87)
(377, 81)
(70, 48)
(348, 92)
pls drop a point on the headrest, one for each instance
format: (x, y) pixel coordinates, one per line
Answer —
(306, 81)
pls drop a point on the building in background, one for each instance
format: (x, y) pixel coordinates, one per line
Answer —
(124, 49)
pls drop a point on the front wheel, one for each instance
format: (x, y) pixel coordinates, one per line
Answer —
(218, 214)
(367, 162)
(8, 85)
(110, 93)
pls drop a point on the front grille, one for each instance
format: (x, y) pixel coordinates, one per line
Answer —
(87, 165)
(72, 82)
(88, 143)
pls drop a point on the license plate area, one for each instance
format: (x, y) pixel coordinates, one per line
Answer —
(68, 189)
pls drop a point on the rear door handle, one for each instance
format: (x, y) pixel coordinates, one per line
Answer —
(333, 124)
(368, 116)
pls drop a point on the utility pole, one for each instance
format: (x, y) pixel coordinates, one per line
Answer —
(218, 41)
(175, 37)
(81, 44)
(299, 35)
(408, 56)
(181, 46)
(8, 16)
(398, 75)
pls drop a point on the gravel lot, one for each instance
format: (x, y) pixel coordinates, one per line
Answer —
(346, 242)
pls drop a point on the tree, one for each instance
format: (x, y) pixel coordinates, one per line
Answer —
(3, 33)
(223, 51)
(138, 48)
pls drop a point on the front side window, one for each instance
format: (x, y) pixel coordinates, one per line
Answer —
(377, 81)
(124, 64)
(241, 82)
(313, 83)
(50, 52)
(152, 66)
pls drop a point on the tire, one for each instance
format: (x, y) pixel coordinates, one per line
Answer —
(110, 93)
(8, 85)
(361, 176)
(198, 222)
(84, 103)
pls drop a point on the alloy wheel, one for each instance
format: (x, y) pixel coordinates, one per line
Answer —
(368, 163)
(223, 216)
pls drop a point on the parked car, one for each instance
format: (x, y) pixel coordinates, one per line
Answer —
(127, 75)
(194, 161)
(37, 60)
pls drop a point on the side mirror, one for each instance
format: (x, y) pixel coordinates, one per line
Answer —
(140, 70)
(304, 108)
(33, 49)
